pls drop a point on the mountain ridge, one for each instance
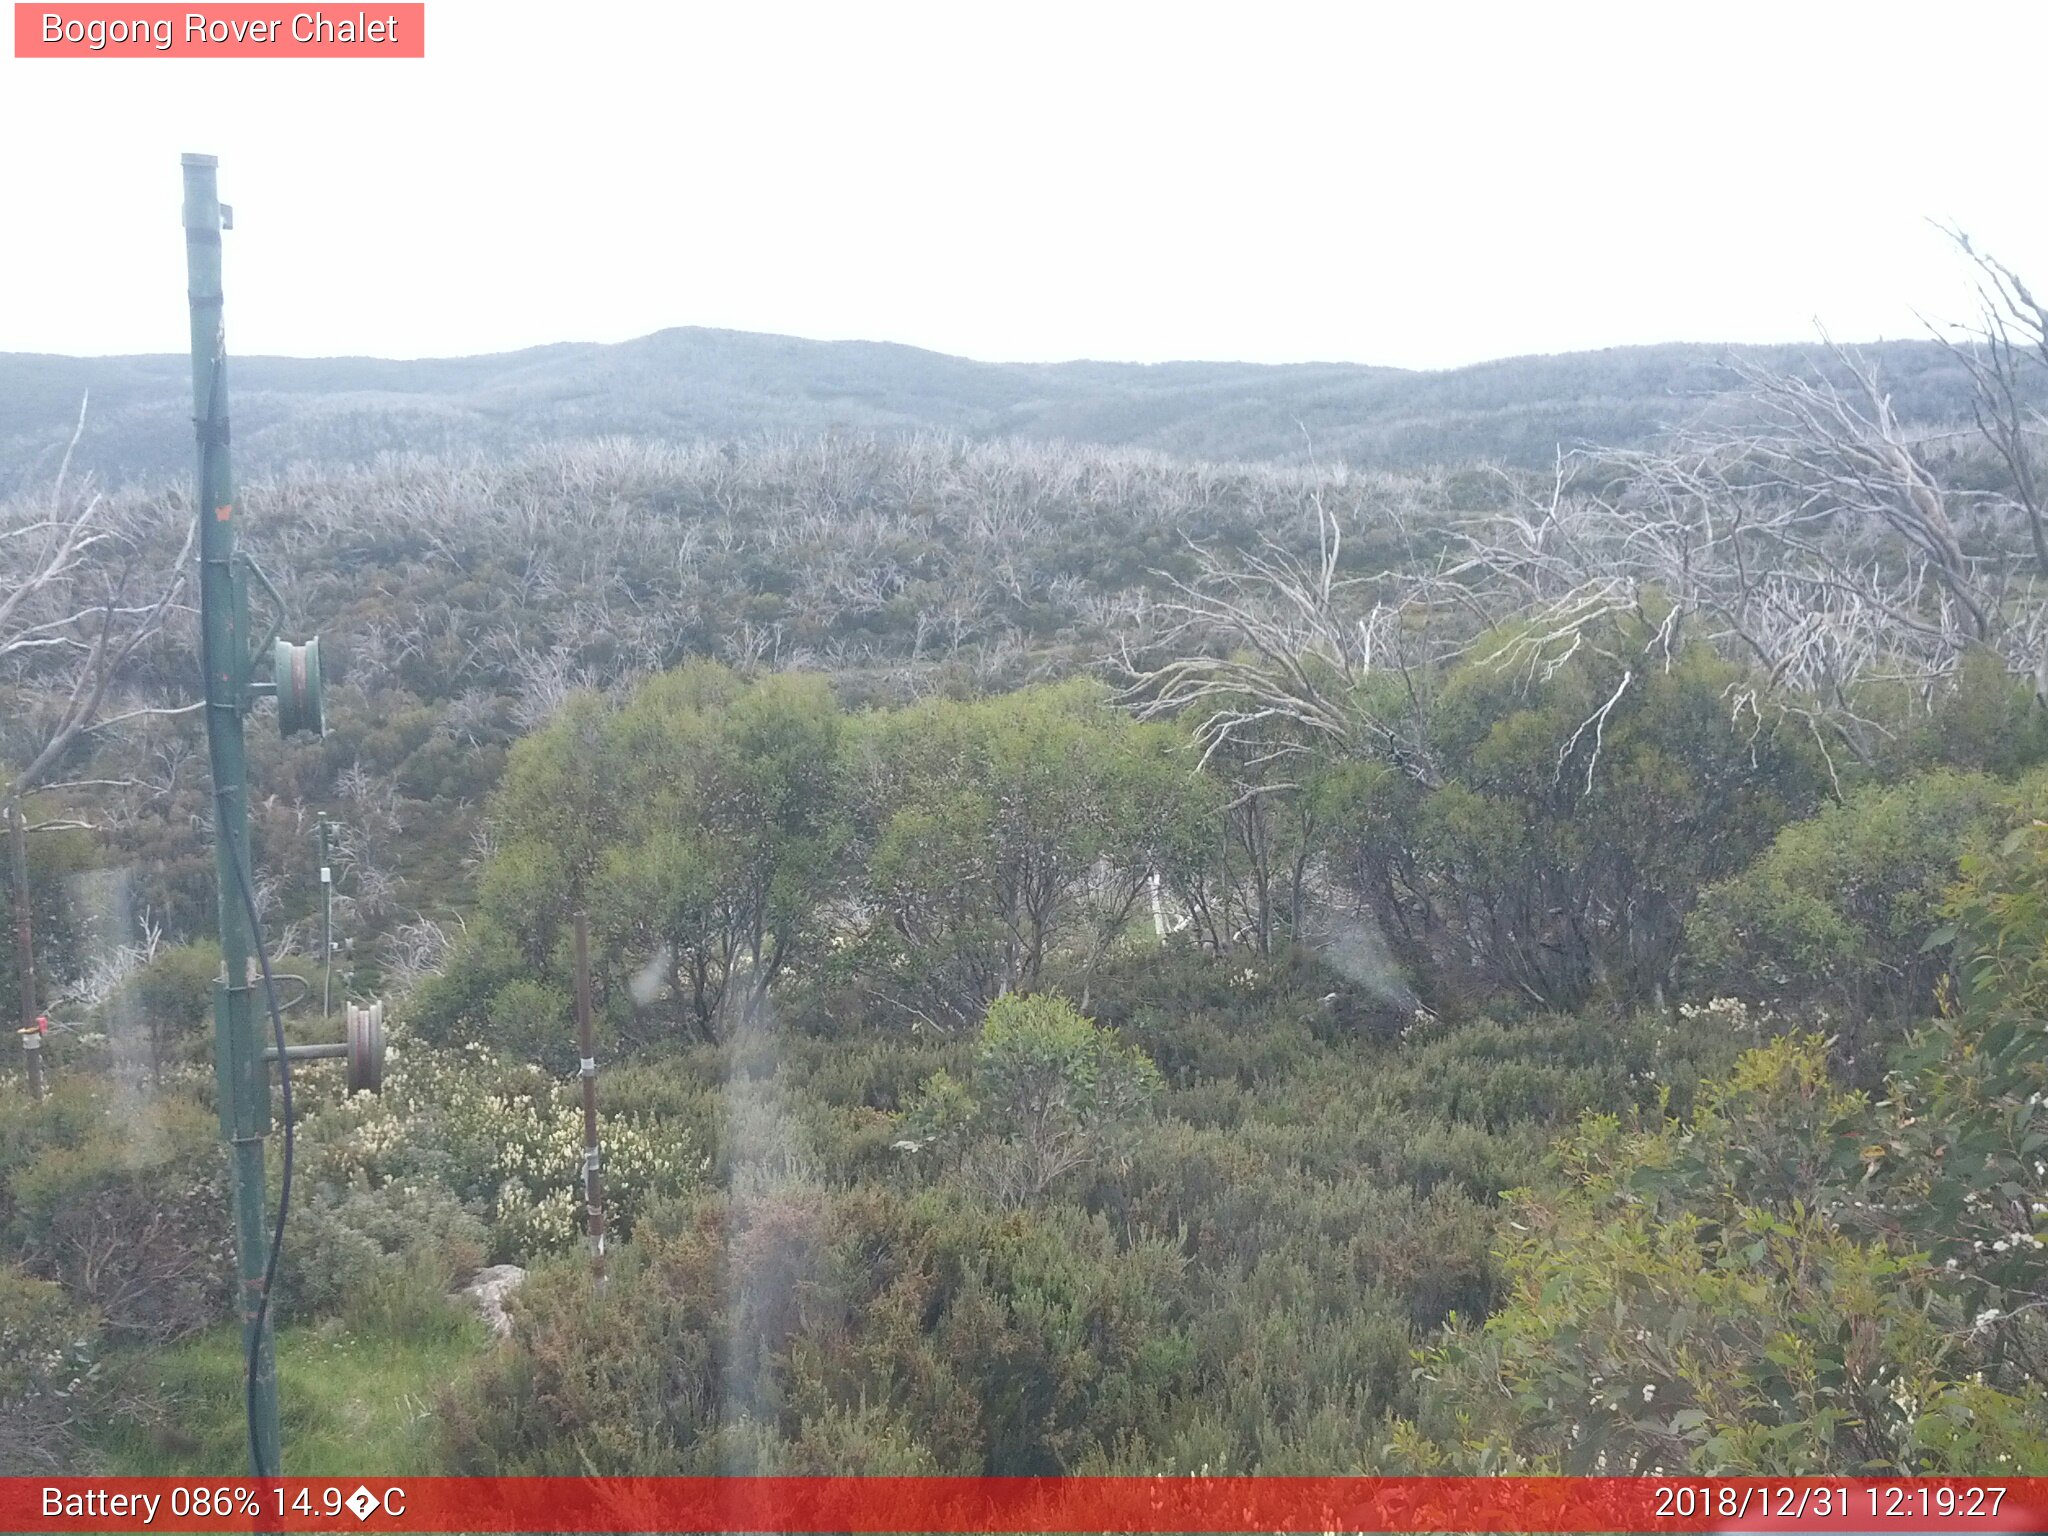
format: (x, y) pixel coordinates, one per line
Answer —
(688, 382)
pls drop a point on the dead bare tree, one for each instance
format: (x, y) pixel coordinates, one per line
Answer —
(78, 600)
(1806, 534)
(1273, 653)
(1801, 527)
(2006, 355)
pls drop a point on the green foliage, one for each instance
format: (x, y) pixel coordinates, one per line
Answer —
(975, 1341)
(504, 1141)
(379, 1258)
(729, 834)
(734, 837)
(120, 1196)
(1003, 835)
(460, 1006)
(1052, 1093)
(1702, 1302)
(49, 1369)
(530, 1020)
(1837, 913)
(167, 1002)
(699, 823)
(560, 805)
(1987, 720)
(1239, 1286)
(1582, 810)
(1804, 1280)
(1963, 1153)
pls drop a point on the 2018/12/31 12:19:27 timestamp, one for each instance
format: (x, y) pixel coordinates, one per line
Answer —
(1829, 1501)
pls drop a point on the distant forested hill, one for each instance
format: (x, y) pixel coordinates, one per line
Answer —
(694, 383)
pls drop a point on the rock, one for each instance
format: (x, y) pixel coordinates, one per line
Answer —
(489, 1290)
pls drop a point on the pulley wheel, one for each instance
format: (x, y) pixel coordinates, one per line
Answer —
(299, 702)
(366, 1048)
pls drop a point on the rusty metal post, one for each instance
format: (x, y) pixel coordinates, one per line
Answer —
(586, 1039)
(25, 948)
(326, 924)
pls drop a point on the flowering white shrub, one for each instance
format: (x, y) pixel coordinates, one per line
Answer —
(507, 1139)
(1731, 1012)
(49, 1368)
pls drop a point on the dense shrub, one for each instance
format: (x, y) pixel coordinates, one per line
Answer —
(1986, 721)
(372, 1256)
(1837, 913)
(49, 1365)
(1011, 1341)
(121, 1197)
(1806, 1279)
(1240, 1287)
(163, 1011)
(1568, 857)
(1051, 1093)
(1709, 1302)
(504, 1139)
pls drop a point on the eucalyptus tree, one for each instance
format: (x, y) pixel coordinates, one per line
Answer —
(697, 820)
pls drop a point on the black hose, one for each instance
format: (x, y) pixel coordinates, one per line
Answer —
(284, 1194)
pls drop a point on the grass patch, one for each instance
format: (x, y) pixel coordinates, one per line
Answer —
(352, 1403)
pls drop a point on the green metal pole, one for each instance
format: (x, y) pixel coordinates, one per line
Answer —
(223, 604)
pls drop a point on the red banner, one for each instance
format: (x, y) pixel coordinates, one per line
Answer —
(1025, 1504)
(226, 31)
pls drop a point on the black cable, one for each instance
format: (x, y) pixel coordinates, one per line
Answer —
(211, 434)
(284, 1193)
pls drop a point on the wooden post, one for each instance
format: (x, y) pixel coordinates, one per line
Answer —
(25, 947)
(593, 1179)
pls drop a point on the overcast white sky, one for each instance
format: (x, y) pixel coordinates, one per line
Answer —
(1422, 184)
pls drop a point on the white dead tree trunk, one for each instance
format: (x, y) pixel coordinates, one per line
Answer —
(77, 601)
(80, 596)
(1272, 654)
(1811, 539)
(2006, 354)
